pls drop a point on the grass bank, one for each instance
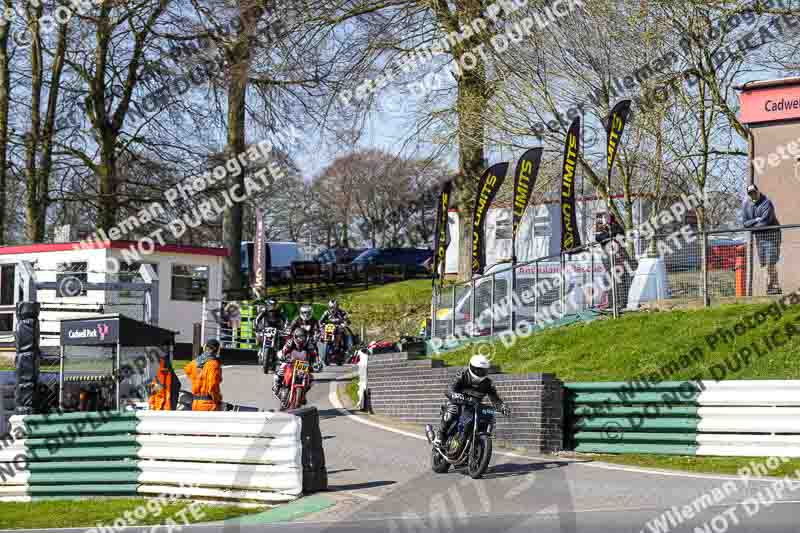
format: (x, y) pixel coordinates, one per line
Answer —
(391, 310)
(644, 342)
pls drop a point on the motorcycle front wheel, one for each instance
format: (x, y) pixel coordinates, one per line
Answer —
(266, 361)
(438, 464)
(479, 457)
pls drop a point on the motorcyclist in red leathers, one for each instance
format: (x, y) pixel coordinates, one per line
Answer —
(297, 348)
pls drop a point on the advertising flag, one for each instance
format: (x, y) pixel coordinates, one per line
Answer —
(570, 236)
(442, 235)
(614, 129)
(259, 273)
(524, 181)
(488, 186)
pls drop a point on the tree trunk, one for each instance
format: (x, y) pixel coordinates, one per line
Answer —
(35, 197)
(239, 57)
(471, 104)
(232, 217)
(5, 90)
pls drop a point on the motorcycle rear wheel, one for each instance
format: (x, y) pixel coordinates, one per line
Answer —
(438, 464)
(479, 457)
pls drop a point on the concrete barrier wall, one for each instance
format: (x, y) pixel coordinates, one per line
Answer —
(412, 390)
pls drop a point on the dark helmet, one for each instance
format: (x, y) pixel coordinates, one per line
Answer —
(270, 304)
(213, 345)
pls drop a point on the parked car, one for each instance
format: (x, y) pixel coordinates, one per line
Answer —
(410, 257)
(281, 256)
(338, 256)
(722, 253)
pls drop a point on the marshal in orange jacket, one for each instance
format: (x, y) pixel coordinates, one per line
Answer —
(206, 375)
(165, 388)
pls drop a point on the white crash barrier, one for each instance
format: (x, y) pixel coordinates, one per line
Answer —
(215, 494)
(280, 450)
(221, 455)
(749, 418)
(778, 393)
(749, 445)
(229, 423)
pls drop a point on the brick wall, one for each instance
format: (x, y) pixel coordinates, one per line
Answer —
(412, 390)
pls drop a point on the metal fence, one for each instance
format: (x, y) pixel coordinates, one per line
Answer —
(682, 268)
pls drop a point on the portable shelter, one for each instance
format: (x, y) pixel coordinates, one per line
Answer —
(106, 336)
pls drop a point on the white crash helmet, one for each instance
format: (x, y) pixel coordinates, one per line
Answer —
(305, 312)
(479, 368)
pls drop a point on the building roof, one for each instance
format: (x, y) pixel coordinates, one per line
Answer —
(765, 84)
(90, 245)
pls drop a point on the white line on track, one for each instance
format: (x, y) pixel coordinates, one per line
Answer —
(334, 400)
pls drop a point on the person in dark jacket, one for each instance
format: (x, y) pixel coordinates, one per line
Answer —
(604, 233)
(474, 378)
(306, 321)
(758, 212)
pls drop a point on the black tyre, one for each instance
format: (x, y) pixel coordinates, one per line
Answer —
(266, 362)
(479, 457)
(438, 464)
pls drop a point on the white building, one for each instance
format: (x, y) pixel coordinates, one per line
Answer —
(186, 275)
(539, 232)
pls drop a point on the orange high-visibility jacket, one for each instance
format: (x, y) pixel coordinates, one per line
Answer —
(164, 389)
(205, 385)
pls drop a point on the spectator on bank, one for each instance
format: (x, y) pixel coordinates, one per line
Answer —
(758, 212)
(205, 372)
(606, 229)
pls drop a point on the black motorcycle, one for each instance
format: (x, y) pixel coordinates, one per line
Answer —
(268, 353)
(332, 336)
(469, 441)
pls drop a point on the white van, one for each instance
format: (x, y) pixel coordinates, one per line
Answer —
(281, 253)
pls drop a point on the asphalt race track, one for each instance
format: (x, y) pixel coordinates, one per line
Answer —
(381, 481)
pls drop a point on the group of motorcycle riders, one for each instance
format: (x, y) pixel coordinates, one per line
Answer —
(300, 344)
(304, 331)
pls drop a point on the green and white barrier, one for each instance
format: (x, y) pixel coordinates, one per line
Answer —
(727, 418)
(219, 455)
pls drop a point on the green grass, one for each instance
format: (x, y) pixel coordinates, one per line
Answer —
(615, 350)
(391, 310)
(352, 390)
(92, 511)
(709, 465)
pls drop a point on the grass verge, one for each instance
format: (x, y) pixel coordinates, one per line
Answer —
(94, 511)
(352, 390)
(642, 343)
(391, 310)
(707, 465)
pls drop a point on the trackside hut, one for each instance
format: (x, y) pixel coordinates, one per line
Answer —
(186, 275)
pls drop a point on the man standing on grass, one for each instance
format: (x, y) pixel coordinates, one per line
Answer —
(758, 212)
